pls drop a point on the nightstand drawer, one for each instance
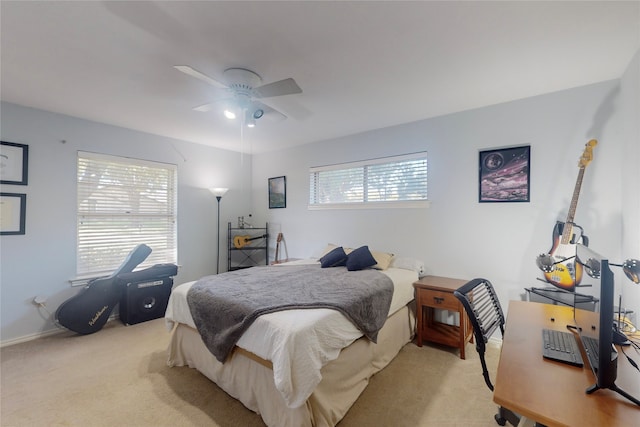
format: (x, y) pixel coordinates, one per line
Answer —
(437, 299)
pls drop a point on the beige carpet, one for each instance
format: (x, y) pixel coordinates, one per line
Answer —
(118, 377)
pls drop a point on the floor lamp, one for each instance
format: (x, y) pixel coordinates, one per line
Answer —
(218, 192)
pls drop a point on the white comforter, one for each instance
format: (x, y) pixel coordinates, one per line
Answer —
(297, 342)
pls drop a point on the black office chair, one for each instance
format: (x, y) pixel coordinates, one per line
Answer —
(485, 313)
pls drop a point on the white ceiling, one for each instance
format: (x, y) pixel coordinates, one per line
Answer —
(361, 65)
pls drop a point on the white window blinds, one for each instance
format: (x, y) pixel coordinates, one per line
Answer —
(122, 203)
(386, 181)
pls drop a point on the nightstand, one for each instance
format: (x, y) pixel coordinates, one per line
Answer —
(434, 292)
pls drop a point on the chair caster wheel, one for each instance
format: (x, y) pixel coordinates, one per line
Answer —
(501, 421)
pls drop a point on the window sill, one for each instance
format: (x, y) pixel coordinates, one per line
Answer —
(372, 205)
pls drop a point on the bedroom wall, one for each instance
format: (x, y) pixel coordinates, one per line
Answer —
(42, 261)
(457, 236)
(630, 124)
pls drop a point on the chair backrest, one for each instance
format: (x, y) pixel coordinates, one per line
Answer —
(485, 314)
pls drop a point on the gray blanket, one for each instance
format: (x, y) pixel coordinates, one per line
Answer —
(225, 305)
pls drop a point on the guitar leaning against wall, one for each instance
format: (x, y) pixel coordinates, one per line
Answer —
(88, 311)
(558, 266)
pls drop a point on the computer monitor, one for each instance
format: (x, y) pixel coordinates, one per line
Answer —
(600, 326)
(602, 330)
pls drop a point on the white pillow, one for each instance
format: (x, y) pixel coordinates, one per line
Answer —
(383, 259)
(407, 263)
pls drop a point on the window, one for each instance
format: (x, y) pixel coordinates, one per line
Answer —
(122, 203)
(399, 181)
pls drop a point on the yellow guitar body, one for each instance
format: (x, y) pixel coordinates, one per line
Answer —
(567, 272)
(562, 276)
(240, 242)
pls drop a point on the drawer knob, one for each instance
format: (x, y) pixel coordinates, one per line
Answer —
(438, 300)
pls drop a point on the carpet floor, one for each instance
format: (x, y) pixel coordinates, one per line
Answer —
(119, 377)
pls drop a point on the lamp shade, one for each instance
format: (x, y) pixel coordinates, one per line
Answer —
(546, 263)
(631, 268)
(218, 191)
(592, 266)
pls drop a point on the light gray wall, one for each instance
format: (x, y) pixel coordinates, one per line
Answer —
(457, 236)
(629, 120)
(42, 261)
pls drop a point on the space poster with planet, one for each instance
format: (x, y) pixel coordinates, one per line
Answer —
(504, 174)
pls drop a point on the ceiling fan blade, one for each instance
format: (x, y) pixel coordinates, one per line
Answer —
(279, 88)
(203, 108)
(198, 75)
(216, 103)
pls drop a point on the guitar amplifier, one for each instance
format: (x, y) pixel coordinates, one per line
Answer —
(146, 293)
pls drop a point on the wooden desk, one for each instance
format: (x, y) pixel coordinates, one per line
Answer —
(553, 393)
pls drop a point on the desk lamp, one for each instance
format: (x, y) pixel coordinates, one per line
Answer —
(631, 268)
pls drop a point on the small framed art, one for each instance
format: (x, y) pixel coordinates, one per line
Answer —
(278, 192)
(504, 175)
(12, 213)
(14, 161)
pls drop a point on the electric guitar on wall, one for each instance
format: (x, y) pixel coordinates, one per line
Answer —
(559, 267)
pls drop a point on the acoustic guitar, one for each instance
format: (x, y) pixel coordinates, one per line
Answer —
(278, 243)
(563, 271)
(240, 242)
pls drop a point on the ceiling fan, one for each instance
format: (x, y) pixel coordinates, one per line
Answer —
(246, 93)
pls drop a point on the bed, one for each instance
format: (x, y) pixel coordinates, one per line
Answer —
(298, 367)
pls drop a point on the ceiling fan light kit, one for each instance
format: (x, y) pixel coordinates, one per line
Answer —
(241, 79)
(249, 119)
(245, 87)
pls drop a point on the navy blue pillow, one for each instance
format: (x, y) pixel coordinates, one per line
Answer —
(336, 258)
(360, 259)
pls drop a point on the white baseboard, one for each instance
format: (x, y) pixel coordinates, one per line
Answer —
(37, 335)
(30, 337)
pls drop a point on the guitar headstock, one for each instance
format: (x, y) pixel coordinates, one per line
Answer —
(587, 155)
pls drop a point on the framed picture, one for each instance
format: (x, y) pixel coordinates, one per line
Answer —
(12, 213)
(504, 175)
(14, 161)
(278, 192)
